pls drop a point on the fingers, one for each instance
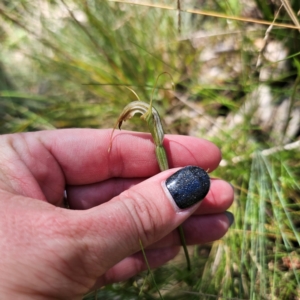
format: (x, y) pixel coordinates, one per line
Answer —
(197, 230)
(79, 156)
(87, 159)
(145, 212)
(211, 224)
(88, 196)
(50, 160)
(135, 264)
(218, 199)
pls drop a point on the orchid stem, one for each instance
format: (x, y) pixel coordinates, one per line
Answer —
(151, 116)
(183, 244)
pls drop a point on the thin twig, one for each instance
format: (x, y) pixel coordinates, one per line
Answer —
(212, 14)
(266, 38)
(149, 269)
(179, 15)
(291, 13)
(291, 105)
(265, 152)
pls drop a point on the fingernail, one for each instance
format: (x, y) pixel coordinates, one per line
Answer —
(188, 186)
(230, 217)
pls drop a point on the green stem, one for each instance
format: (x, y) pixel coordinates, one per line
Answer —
(162, 160)
(149, 269)
(151, 116)
(183, 243)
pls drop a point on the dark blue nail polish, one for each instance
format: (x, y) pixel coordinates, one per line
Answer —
(230, 217)
(188, 186)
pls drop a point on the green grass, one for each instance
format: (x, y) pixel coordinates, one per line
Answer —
(60, 69)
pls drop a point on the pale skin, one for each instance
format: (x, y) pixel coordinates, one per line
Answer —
(116, 198)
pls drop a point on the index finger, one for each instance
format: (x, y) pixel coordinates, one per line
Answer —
(84, 158)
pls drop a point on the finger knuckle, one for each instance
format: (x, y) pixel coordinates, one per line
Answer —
(145, 215)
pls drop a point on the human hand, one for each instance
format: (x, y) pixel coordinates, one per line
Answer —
(116, 199)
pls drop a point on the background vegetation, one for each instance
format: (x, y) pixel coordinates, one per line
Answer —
(64, 63)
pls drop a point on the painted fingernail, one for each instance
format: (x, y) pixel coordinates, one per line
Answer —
(188, 186)
(230, 217)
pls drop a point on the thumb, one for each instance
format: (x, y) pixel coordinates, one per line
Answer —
(146, 212)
